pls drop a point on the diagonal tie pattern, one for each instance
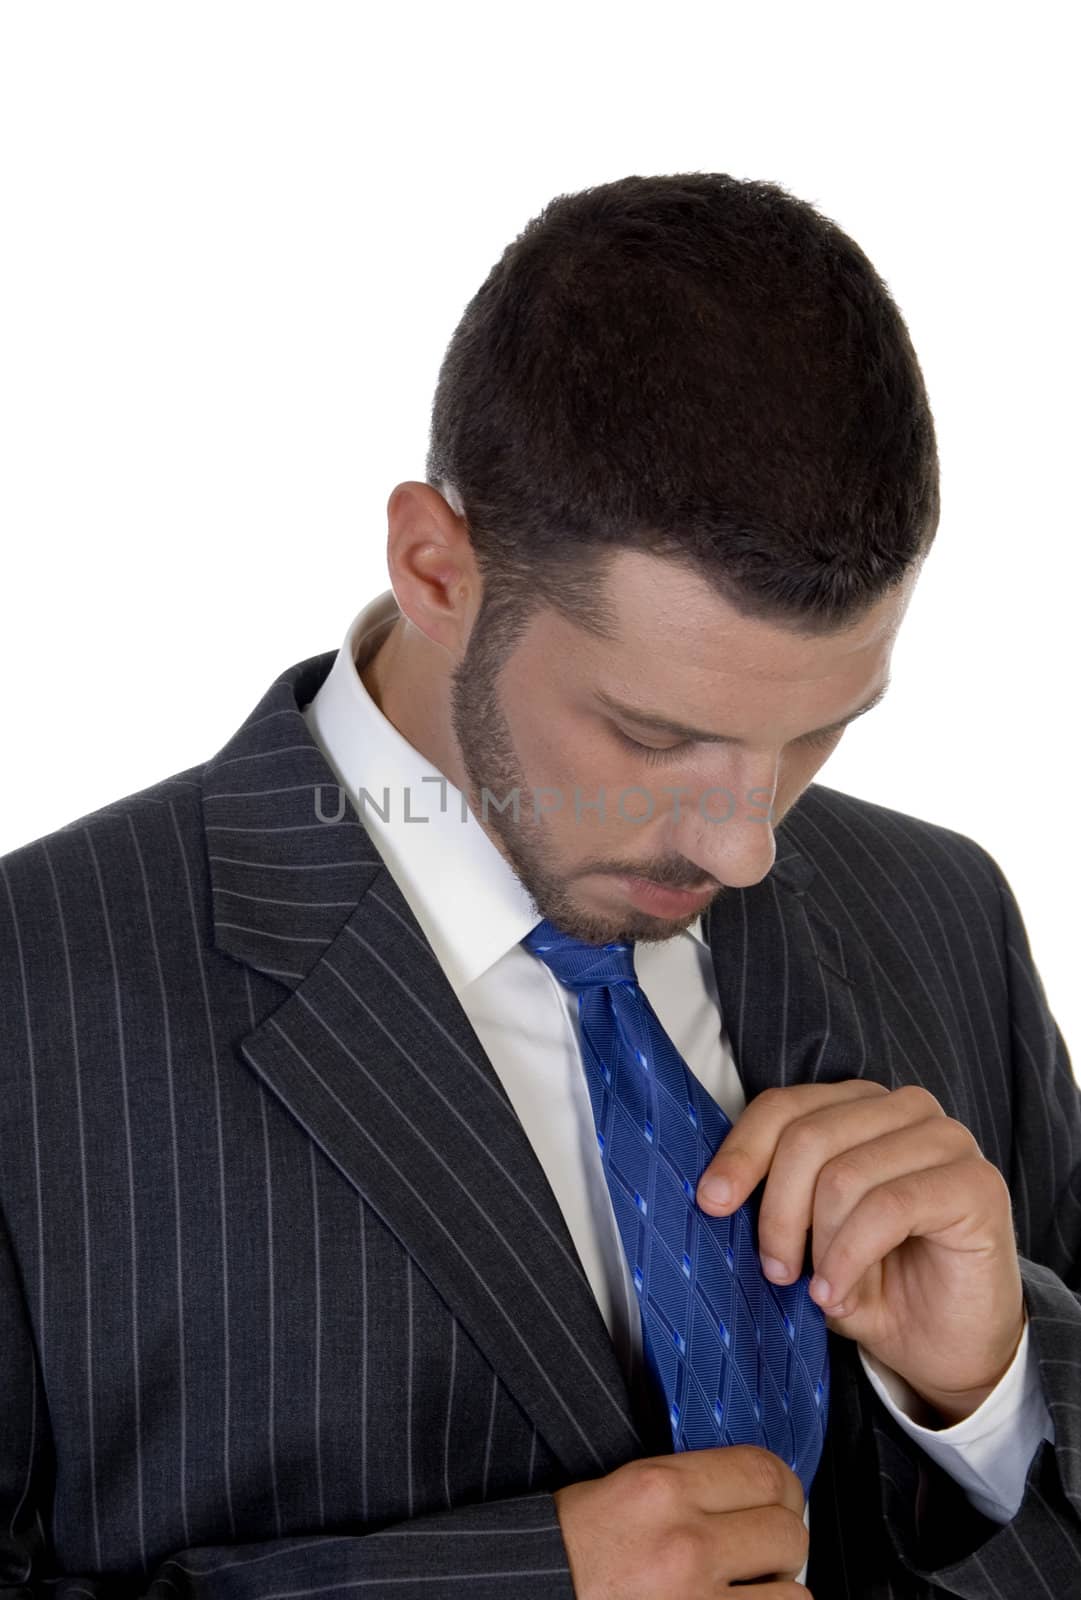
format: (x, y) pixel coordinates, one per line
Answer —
(739, 1359)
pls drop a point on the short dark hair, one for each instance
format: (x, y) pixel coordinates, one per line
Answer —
(697, 366)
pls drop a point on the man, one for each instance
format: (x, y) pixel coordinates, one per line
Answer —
(324, 1209)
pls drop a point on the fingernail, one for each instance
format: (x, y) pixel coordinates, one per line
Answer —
(718, 1191)
(774, 1268)
(821, 1291)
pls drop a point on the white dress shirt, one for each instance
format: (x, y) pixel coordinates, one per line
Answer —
(474, 912)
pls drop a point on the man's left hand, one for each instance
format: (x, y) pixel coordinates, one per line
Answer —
(912, 1234)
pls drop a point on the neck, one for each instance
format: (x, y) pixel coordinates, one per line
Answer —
(406, 678)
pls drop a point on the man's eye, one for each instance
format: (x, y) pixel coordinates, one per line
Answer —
(652, 752)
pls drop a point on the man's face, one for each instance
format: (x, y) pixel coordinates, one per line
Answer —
(683, 813)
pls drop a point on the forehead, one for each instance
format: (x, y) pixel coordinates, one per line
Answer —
(668, 619)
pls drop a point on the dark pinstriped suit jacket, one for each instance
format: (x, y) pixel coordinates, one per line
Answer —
(287, 1305)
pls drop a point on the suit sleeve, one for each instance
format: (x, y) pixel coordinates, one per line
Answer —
(939, 1535)
(482, 1552)
(989, 1451)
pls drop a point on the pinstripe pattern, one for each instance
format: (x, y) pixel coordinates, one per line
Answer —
(286, 1301)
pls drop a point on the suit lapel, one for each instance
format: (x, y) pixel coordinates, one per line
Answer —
(376, 1060)
(374, 1057)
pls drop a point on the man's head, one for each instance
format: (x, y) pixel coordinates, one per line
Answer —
(536, 727)
(682, 460)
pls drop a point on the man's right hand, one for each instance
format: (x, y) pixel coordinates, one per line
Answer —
(687, 1526)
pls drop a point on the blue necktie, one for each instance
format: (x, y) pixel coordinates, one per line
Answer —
(739, 1359)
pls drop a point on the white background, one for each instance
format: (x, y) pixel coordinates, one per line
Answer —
(236, 239)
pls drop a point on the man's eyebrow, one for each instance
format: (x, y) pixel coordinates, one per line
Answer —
(663, 724)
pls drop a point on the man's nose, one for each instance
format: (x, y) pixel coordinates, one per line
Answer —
(729, 836)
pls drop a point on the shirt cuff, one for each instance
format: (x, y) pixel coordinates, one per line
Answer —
(989, 1452)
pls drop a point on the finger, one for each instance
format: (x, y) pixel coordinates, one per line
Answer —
(803, 1148)
(744, 1156)
(962, 1195)
(734, 1477)
(759, 1544)
(847, 1177)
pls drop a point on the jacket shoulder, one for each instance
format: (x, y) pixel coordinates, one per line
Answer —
(832, 827)
(183, 785)
(150, 809)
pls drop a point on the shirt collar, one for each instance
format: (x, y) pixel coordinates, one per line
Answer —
(471, 904)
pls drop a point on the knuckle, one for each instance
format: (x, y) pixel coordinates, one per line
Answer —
(919, 1098)
(996, 1180)
(768, 1472)
(656, 1487)
(772, 1098)
(681, 1556)
(963, 1137)
(803, 1138)
(841, 1178)
(895, 1200)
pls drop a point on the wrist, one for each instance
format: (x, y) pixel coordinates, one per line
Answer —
(950, 1406)
(946, 1410)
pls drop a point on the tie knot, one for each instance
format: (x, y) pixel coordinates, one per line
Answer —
(580, 965)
